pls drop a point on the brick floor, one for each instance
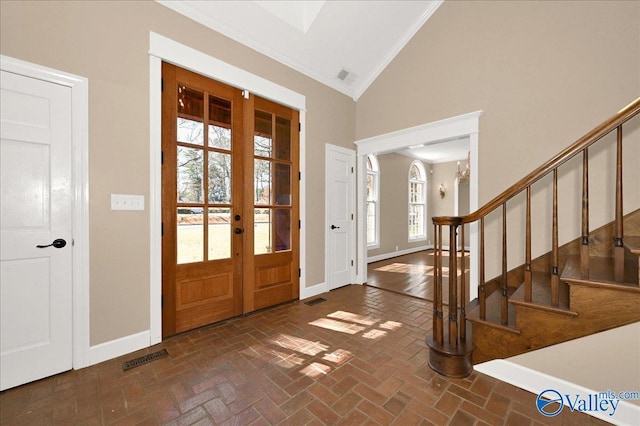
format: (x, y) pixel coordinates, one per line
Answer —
(357, 359)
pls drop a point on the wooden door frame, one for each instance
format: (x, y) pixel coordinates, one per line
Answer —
(164, 49)
(79, 86)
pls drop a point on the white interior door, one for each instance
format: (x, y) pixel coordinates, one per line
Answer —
(36, 203)
(339, 202)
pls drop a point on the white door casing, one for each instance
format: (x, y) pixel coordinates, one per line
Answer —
(340, 212)
(465, 125)
(36, 200)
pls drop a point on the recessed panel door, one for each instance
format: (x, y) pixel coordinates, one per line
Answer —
(202, 201)
(229, 202)
(271, 200)
(36, 249)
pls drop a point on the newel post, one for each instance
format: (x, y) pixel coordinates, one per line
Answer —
(449, 348)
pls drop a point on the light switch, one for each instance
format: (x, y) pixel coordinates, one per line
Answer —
(127, 202)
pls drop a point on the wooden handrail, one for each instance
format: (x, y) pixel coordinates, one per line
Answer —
(451, 356)
(577, 147)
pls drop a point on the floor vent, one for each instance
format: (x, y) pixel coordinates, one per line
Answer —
(136, 362)
(315, 301)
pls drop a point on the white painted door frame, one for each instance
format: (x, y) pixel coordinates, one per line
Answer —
(80, 204)
(327, 215)
(466, 125)
(164, 49)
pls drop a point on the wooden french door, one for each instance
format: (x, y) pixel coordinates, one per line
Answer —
(229, 202)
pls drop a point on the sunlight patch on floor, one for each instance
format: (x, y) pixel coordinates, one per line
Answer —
(390, 325)
(411, 269)
(348, 316)
(340, 326)
(299, 344)
(374, 334)
(315, 370)
(339, 356)
(286, 360)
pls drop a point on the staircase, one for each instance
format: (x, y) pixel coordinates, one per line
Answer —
(588, 303)
(588, 285)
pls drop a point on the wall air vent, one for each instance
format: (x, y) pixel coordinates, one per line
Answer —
(346, 76)
(343, 74)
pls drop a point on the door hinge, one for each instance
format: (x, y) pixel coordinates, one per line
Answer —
(162, 84)
(352, 263)
(162, 229)
(351, 169)
(351, 216)
(299, 272)
(299, 175)
(161, 157)
(162, 301)
(299, 224)
(299, 127)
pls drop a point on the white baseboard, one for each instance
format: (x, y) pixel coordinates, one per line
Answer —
(118, 347)
(536, 382)
(386, 256)
(314, 290)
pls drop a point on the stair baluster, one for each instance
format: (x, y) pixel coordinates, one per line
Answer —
(463, 288)
(527, 264)
(482, 290)
(504, 304)
(555, 282)
(618, 253)
(584, 248)
(453, 286)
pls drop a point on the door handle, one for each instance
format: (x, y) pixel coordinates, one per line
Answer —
(238, 230)
(335, 227)
(58, 243)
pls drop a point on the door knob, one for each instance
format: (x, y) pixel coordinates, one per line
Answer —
(58, 243)
(335, 227)
(238, 230)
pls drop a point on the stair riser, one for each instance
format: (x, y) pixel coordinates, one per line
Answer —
(604, 306)
(599, 309)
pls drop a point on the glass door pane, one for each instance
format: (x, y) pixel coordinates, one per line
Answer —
(272, 183)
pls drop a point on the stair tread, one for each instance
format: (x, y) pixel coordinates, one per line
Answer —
(541, 293)
(632, 243)
(492, 310)
(601, 271)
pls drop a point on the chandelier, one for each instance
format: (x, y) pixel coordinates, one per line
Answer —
(464, 175)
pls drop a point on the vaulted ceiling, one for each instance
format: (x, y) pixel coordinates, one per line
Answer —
(343, 44)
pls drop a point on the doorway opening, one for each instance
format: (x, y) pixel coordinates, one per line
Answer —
(450, 129)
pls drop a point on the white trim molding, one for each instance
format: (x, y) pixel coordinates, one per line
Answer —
(391, 255)
(314, 290)
(465, 125)
(537, 382)
(118, 347)
(80, 221)
(164, 49)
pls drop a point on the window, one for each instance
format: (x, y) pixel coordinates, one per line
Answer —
(417, 201)
(373, 207)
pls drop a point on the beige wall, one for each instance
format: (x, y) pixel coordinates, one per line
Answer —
(394, 193)
(544, 73)
(394, 199)
(108, 43)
